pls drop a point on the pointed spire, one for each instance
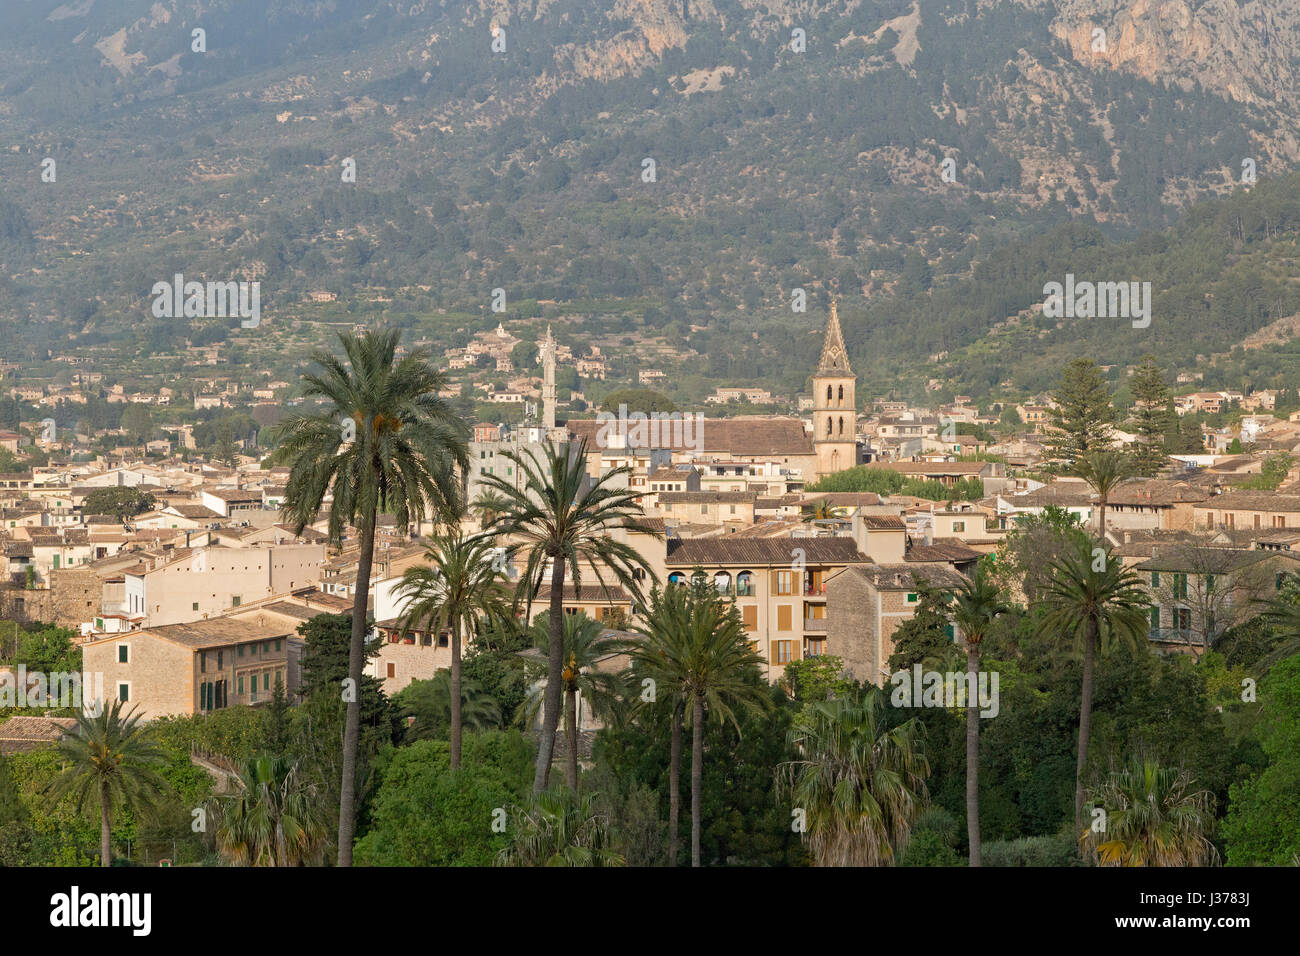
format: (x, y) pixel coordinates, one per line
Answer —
(835, 358)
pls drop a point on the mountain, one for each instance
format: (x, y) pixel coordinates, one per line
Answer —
(887, 149)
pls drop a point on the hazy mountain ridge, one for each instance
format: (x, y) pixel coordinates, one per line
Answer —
(522, 169)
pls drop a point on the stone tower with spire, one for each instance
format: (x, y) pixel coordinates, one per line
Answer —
(834, 404)
(546, 355)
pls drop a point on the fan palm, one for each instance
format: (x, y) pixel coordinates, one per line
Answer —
(276, 818)
(463, 588)
(1152, 818)
(1104, 470)
(860, 783)
(585, 647)
(1091, 598)
(383, 441)
(112, 757)
(561, 828)
(977, 604)
(563, 519)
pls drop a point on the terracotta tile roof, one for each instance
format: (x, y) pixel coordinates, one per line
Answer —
(884, 523)
(705, 497)
(743, 436)
(947, 551)
(902, 577)
(1201, 560)
(761, 551)
(1156, 493)
(21, 734)
(215, 632)
(1253, 501)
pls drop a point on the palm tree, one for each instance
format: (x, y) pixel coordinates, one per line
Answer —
(976, 606)
(659, 657)
(820, 511)
(719, 675)
(1091, 597)
(383, 441)
(563, 518)
(1104, 470)
(1281, 613)
(275, 819)
(429, 702)
(463, 587)
(860, 784)
(112, 757)
(487, 506)
(561, 828)
(1152, 818)
(586, 645)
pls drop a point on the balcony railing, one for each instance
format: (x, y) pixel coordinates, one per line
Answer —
(814, 590)
(815, 623)
(1176, 635)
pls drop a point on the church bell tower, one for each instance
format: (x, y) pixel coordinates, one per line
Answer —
(834, 404)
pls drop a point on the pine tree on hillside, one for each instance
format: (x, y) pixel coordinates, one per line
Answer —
(1084, 415)
(1151, 417)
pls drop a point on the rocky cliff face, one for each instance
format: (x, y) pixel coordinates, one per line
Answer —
(1243, 51)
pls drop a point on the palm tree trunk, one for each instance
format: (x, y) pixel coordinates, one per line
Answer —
(675, 782)
(973, 755)
(697, 777)
(105, 827)
(356, 657)
(554, 668)
(571, 734)
(1085, 722)
(455, 692)
(1101, 515)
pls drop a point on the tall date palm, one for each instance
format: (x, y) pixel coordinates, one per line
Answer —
(1091, 598)
(977, 604)
(658, 657)
(382, 441)
(112, 758)
(719, 675)
(462, 588)
(562, 520)
(586, 645)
